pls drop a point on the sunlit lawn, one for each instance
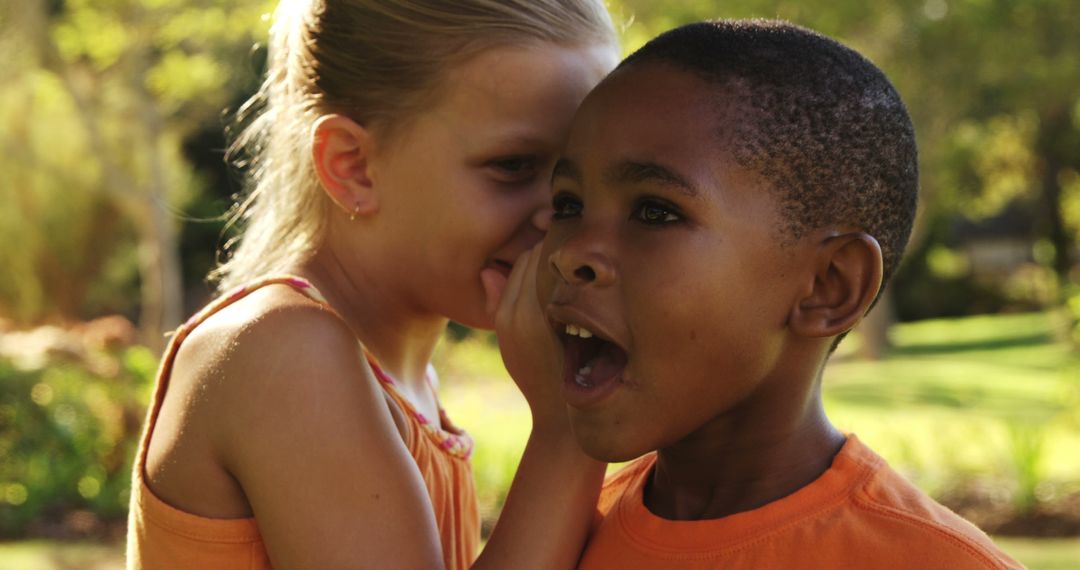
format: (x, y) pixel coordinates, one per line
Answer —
(956, 399)
(48, 555)
(982, 396)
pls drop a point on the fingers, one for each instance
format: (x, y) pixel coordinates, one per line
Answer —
(527, 290)
(494, 286)
(513, 284)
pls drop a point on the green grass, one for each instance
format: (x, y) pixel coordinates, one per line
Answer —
(52, 555)
(1043, 554)
(959, 398)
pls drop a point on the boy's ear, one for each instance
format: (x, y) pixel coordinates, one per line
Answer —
(847, 276)
(341, 153)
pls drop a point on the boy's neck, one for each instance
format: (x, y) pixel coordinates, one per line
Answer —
(741, 462)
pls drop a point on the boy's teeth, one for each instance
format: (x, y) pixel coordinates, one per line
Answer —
(574, 330)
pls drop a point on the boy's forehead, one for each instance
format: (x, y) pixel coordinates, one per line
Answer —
(652, 112)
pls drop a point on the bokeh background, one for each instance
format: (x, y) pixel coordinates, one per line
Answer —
(114, 194)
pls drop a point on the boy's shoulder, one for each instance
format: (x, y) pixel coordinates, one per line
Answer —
(859, 513)
(923, 531)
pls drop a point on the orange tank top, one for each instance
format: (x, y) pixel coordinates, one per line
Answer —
(162, 536)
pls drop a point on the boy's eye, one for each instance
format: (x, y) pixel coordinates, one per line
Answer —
(513, 168)
(656, 213)
(565, 206)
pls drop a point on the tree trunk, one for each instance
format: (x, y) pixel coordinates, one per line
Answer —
(159, 255)
(144, 203)
(874, 328)
(1053, 130)
(1052, 146)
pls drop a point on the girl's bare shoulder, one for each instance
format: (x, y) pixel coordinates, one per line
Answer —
(271, 328)
(275, 352)
(294, 416)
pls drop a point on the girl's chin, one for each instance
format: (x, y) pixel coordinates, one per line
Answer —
(475, 321)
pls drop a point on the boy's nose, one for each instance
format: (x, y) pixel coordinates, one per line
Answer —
(580, 265)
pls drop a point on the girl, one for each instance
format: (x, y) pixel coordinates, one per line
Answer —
(400, 167)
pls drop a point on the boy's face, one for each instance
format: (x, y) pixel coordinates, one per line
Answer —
(669, 255)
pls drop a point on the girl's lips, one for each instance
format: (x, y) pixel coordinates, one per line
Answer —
(500, 265)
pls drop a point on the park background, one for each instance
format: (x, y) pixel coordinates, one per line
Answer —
(114, 193)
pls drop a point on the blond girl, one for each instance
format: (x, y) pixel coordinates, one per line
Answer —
(399, 157)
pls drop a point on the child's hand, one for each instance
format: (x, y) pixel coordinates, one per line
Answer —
(529, 347)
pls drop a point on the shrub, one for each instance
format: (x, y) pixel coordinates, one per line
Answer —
(67, 439)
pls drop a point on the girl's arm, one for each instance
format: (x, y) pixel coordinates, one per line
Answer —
(551, 502)
(306, 432)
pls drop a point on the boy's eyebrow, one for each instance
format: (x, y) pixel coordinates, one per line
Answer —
(631, 172)
(636, 172)
(565, 168)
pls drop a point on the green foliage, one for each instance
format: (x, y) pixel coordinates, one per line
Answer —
(67, 439)
(990, 164)
(97, 100)
(53, 230)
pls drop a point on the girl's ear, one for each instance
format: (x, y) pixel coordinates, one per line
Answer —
(341, 153)
(846, 281)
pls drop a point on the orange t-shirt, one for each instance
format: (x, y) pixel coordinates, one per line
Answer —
(162, 536)
(859, 514)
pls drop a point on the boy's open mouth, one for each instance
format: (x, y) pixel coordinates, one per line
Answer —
(593, 365)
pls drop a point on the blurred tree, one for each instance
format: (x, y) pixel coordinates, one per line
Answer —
(100, 96)
(1005, 79)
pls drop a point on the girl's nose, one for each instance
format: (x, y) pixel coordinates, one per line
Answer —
(541, 218)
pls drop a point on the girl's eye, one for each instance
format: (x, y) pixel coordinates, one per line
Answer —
(565, 206)
(513, 168)
(655, 213)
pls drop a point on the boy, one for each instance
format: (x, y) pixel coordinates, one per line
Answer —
(731, 201)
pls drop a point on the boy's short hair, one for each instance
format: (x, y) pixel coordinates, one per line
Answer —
(819, 122)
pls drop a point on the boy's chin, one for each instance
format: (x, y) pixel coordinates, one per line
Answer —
(605, 444)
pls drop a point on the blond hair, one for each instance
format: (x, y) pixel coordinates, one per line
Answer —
(376, 61)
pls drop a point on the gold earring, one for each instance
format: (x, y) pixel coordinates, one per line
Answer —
(355, 212)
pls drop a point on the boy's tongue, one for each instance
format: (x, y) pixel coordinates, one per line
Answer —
(592, 362)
